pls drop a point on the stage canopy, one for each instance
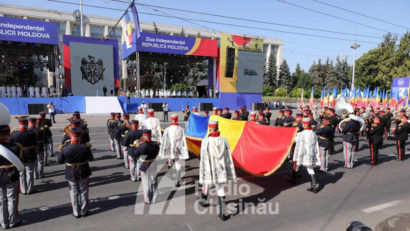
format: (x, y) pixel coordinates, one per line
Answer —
(257, 149)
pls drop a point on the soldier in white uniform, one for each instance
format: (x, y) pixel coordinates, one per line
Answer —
(141, 118)
(13, 91)
(216, 167)
(173, 146)
(307, 153)
(37, 92)
(152, 123)
(31, 91)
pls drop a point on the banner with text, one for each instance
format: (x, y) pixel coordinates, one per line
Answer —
(31, 31)
(179, 45)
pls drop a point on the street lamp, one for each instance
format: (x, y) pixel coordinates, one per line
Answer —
(354, 46)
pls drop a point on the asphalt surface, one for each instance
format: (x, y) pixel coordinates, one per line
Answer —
(365, 193)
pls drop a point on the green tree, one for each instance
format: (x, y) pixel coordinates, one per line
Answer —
(338, 75)
(318, 74)
(281, 92)
(285, 79)
(270, 76)
(268, 90)
(302, 78)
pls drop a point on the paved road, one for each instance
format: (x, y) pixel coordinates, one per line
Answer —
(365, 193)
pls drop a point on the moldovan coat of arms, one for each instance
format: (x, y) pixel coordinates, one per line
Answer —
(91, 70)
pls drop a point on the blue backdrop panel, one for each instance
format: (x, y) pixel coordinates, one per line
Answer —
(235, 100)
(19, 106)
(197, 126)
(174, 104)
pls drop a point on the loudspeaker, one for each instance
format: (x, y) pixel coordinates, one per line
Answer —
(34, 109)
(155, 106)
(230, 62)
(257, 106)
(205, 106)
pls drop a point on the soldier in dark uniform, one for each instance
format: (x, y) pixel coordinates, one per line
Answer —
(242, 114)
(268, 114)
(334, 122)
(236, 116)
(356, 144)
(187, 113)
(131, 140)
(219, 112)
(76, 123)
(28, 140)
(117, 134)
(111, 130)
(389, 117)
(298, 122)
(48, 136)
(76, 156)
(385, 122)
(349, 131)
(313, 122)
(9, 182)
(227, 114)
(124, 129)
(147, 151)
(399, 118)
(324, 133)
(279, 119)
(76, 115)
(401, 133)
(375, 136)
(288, 120)
(261, 119)
(246, 111)
(39, 164)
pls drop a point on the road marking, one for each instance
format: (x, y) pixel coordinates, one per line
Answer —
(381, 206)
(190, 228)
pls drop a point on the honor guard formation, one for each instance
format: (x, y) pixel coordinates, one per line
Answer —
(139, 142)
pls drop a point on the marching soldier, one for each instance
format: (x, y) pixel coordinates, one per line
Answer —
(298, 122)
(187, 113)
(173, 146)
(242, 114)
(76, 156)
(399, 118)
(152, 123)
(268, 114)
(9, 179)
(261, 119)
(288, 120)
(375, 135)
(39, 164)
(117, 134)
(325, 132)
(76, 115)
(279, 119)
(111, 130)
(389, 116)
(131, 140)
(141, 117)
(313, 122)
(48, 138)
(216, 167)
(334, 122)
(28, 140)
(219, 112)
(85, 137)
(236, 116)
(349, 131)
(401, 133)
(124, 129)
(226, 114)
(195, 110)
(252, 115)
(307, 153)
(147, 152)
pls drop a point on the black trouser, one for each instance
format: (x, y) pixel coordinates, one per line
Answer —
(331, 145)
(374, 151)
(401, 149)
(165, 116)
(356, 144)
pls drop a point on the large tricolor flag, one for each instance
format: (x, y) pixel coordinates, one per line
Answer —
(311, 100)
(257, 149)
(130, 37)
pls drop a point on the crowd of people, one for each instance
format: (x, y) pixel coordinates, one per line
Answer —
(140, 141)
(27, 91)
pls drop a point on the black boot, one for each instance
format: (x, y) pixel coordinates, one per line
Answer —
(313, 184)
(203, 201)
(293, 177)
(222, 205)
